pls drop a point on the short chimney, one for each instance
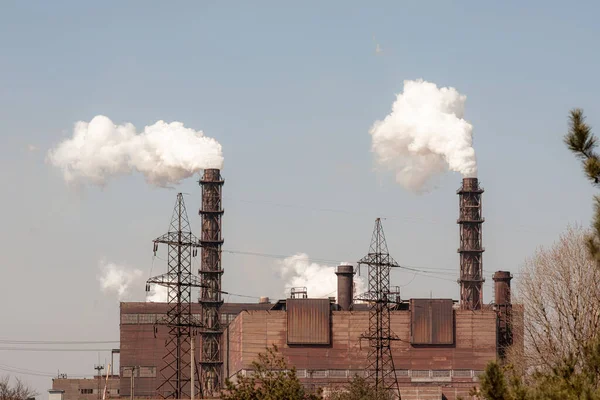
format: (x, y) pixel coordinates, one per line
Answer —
(345, 285)
(502, 287)
(263, 300)
(503, 306)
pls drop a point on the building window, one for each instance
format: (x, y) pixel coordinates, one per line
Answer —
(147, 372)
(147, 318)
(227, 318)
(129, 318)
(86, 391)
(143, 318)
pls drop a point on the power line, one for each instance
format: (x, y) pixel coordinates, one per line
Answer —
(409, 219)
(279, 256)
(427, 272)
(10, 341)
(25, 371)
(49, 349)
(240, 295)
(334, 263)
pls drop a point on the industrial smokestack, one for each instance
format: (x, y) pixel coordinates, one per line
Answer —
(345, 284)
(502, 287)
(211, 240)
(471, 250)
(504, 309)
(300, 271)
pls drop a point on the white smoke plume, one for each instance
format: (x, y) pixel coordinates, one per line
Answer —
(425, 135)
(319, 280)
(118, 279)
(165, 153)
(157, 294)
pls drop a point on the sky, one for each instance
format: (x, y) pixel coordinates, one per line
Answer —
(290, 91)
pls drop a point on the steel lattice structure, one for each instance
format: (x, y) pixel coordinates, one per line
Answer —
(380, 368)
(179, 281)
(211, 358)
(471, 251)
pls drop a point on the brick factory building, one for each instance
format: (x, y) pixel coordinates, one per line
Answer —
(441, 347)
(143, 342)
(85, 388)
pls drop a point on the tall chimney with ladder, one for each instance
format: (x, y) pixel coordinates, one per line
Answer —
(471, 249)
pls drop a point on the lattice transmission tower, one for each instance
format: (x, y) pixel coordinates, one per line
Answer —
(182, 245)
(380, 369)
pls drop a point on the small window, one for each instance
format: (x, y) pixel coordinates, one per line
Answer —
(147, 372)
(129, 318)
(147, 318)
(86, 391)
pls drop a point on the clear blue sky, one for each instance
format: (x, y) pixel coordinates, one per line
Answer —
(290, 91)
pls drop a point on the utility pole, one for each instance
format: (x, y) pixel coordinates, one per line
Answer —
(132, 382)
(192, 385)
(99, 368)
(106, 384)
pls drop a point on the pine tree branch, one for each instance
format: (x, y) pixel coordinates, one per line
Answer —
(580, 139)
(582, 142)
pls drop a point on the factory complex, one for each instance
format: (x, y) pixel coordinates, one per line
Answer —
(422, 348)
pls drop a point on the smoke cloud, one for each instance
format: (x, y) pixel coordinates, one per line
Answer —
(425, 135)
(165, 153)
(157, 294)
(118, 279)
(319, 280)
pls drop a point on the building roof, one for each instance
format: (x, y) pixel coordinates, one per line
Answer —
(141, 307)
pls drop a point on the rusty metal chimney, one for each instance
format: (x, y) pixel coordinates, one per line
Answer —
(345, 285)
(211, 240)
(471, 250)
(504, 311)
(502, 287)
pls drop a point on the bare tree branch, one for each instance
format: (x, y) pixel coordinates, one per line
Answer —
(561, 299)
(18, 391)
